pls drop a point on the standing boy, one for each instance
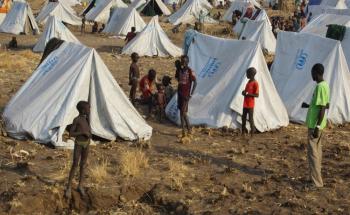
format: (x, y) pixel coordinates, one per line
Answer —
(82, 132)
(187, 80)
(134, 75)
(316, 120)
(250, 93)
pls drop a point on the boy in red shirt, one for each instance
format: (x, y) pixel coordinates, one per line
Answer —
(250, 93)
(147, 89)
(187, 80)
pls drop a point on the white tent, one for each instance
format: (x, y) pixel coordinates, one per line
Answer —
(260, 31)
(54, 29)
(102, 10)
(240, 5)
(59, 10)
(338, 4)
(221, 78)
(122, 20)
(152, 41)
(190, 11)
(296, 53)
(155, 7)
(319, 24)
(46, 103)
(20, 19)
(137, 4)
(318, 10)
(262, 16)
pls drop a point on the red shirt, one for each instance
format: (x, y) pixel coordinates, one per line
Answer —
(252, 87)
(185, 78)
(146, 87)
(130, 36)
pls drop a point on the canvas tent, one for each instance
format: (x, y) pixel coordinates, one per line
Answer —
(102, 10)
(122, 20)
(261, 16)
(46, 103)
(319, 24)
(296, 53)
(221, 78)
(259, 31)
(54, 29)
(317, 10)
(154, 7)
(20, 19)
(189, 12)
(338, 4)
(152, 41)
(240, 5)
(137, 4)
(59, 10)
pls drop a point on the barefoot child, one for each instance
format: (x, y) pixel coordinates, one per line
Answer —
(187, 80)
(134, 75)
(250, 93)
(161, 101)
(82, 132)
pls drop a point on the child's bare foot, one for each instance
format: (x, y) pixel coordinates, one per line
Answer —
(68, 193)
(81, 191)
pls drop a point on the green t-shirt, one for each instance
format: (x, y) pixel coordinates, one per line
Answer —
(319, 98)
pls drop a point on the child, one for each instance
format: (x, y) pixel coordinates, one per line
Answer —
(13, 43)
(161, 101)
(250, 93)
(81, 130)
(134, 75)
(168, 89)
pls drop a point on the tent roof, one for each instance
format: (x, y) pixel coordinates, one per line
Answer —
(221, 78)
(101, 12)
(260, 31)
(122, 20)
(317, 10)
(338, 4)
(54, 29)
(319, 24)
(163, 9)
(48, 100)
(262, 16)
(15, 21)
(296, 53)
(152, 41)
(240, 5)
(190, 11)
(61, 11)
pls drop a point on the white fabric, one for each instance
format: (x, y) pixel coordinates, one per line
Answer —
(260, 31)
(165, 10)
(122, 20)
(54, 28)
(190, 11)
(2, 17)
(296, 53)
(59, 10)
(338, 4)
(319, 24)
(317, 10)
(137, 4)
(152, 41)
(221, 78)
(240, 5)
(16, 18)
(261, 17)
(46, 103)
(101, 12)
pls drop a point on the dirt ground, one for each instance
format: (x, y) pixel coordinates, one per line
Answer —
(213, 172)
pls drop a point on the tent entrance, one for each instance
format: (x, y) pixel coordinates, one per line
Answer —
(151, 9)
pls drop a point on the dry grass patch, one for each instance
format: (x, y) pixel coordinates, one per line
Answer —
(177, 174)
(98, 170)
(132, 162)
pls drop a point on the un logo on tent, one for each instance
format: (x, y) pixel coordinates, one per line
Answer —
(301, 59)
(210, 68)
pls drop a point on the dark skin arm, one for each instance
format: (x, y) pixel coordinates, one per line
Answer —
(194, 85)
(319, 120)
(73, 130)
(244, 93)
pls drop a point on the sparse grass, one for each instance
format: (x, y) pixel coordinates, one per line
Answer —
(177, 174)
(132, 162)
(98, 170)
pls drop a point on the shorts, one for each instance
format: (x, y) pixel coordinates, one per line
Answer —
(83, 144)
(182, 103)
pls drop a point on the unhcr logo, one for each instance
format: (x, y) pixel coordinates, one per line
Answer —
(300, 60)
(210, 68)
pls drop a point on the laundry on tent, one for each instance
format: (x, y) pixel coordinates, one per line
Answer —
(220, 66)
(122, 20)
(296, 54)
(54, 28)
(20, 19)
(45, 105)
(259, 31)
(61, 11)
(152, 41)
(102, 10)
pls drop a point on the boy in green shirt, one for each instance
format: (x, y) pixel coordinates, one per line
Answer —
(316, 120)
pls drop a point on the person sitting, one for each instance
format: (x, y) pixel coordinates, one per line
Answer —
(94, 28)
(13, 43)
(130, 35)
